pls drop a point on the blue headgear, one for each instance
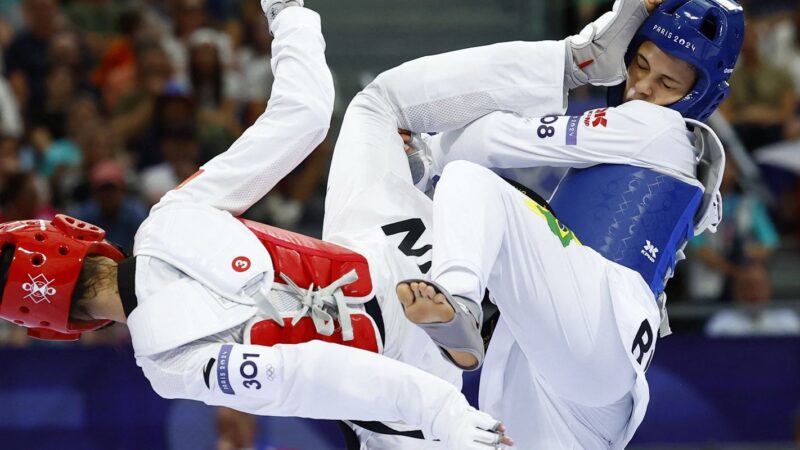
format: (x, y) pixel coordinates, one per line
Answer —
(707, 34)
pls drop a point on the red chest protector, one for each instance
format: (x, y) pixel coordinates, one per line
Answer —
(306, 261)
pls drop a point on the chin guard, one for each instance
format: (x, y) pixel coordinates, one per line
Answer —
(710, 168)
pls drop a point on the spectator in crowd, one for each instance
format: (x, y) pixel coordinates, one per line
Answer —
(51, 115)
(27, 59)
(188, 16)
(111, 207)
(96, 142)
(791, 61)
(213, 89)
(66, 79)
(9, 156)
(762, 101)
(180, 149)
(22, 198)
(115, 73)
(753, 317)
(59, 160)
(97, 20)
(67, 48)
(134, 116)
(10, 118)
(170, 108)
(253, 60)
(782, 47)
(746, 237)
(11, 18)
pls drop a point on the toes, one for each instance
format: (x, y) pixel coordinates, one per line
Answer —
(429, 291)
(415, 287)
(405, 295)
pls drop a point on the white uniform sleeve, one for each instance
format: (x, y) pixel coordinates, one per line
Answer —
(316, 380)
(295, 122)
(636, 133)
(510, 89)
(447, 91)
(437, 93)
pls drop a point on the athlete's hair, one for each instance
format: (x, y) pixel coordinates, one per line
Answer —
(94, 271)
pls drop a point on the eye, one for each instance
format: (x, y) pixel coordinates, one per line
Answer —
(641, 62)
(664, 83)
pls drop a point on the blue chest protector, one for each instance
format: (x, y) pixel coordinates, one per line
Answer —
(633, 216)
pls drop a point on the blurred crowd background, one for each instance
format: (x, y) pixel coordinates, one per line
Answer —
(106, 105)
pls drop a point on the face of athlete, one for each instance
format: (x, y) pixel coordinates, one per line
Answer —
(656, 77)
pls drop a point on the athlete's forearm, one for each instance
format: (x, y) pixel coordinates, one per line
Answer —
(316, 380)
(637, 135)
(447, 91)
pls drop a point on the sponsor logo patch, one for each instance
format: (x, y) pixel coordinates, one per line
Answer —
(572, 130)
(650, 251)
(596, 118)
(223, 379)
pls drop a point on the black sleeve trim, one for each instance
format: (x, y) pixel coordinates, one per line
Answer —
(126, 278)
(350, 437)
(382, 428)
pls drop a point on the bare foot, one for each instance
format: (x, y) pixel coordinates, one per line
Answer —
(423, 304)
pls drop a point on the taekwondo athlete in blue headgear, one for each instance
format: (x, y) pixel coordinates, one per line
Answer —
(706, 34)
(579, 286)
(640, 217)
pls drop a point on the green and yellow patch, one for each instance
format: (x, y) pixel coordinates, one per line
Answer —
(564, 234)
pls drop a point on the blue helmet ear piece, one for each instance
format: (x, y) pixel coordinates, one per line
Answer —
(708, 35)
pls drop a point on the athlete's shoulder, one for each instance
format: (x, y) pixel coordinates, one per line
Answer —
(647, 112)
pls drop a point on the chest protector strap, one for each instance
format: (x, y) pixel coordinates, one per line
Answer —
(267, 332)
(636, 217)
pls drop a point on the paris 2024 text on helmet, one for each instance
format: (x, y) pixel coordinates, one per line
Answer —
(708, 35)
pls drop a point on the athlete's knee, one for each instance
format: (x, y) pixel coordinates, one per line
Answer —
(465, 181)
(467, 174)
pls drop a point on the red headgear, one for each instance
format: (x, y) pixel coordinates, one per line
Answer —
(47, 260)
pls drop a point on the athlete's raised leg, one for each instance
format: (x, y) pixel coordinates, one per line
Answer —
(551, 290)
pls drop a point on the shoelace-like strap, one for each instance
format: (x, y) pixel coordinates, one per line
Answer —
(316, 301)
(266, 307)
